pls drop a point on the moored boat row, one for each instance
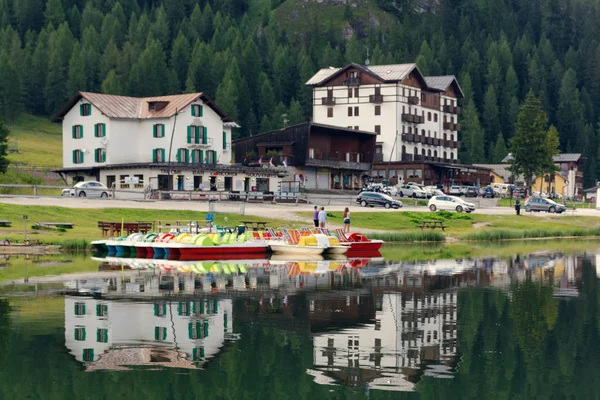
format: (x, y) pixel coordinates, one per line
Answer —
(220, 245)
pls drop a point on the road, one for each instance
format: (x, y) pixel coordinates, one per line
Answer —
(266, 210)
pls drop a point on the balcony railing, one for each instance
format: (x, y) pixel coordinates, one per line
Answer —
(412, 118)
(378, 157)
(376, 98)
(328, 101)
(352, 82)
(202, 145)
(452, 126)
(407, 157)
(413, 100)
(452, 109)
(334, 163)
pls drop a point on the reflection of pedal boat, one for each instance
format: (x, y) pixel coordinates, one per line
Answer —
(314, 244)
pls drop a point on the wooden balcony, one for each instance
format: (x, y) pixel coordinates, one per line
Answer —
(335, 163)
(408, 117)
(452, 109)
(414, 100)
(407, 157)
(376, 98)
(352, 82)
(378, 157)
(408, 137)
(436, 141)
(451, 126)
(328, 101)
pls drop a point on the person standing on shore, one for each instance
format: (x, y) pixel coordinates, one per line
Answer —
(316, 216)
(518, 206)
(347, 220)
(322, 217)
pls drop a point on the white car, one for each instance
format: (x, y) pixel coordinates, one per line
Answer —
(412, 191)
(455, 190)
(88, 189)
(450, 203)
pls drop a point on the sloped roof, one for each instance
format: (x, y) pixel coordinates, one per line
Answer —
(503, 171)
(386, 73)
(566, 157)
(137, 107)
(443, 82)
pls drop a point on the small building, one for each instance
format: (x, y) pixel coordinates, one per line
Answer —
(316, 156)
(431, 173)
(177, 142)
(571, 168)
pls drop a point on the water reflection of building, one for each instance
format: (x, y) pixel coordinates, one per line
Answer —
(111, 334)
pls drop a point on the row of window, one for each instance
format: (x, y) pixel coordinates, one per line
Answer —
(77, 131)
(101, 334)
(409, 130)
(187, 156)
(99, 156)
(85, 110)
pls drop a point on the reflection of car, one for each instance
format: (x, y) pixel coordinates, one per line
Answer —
(451, 203)
(373, 199)
(87, 189)
(539, 204)
(411, 191)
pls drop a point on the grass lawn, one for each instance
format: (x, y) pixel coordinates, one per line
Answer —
(86, 221)
(39, 142)
(460, 225)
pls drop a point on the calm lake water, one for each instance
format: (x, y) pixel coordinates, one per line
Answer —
(525, 326)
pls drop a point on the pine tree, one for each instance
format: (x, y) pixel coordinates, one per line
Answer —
(473, 135)
(265, 124)
(54, 13)
(149, 75)
(267, 98)
(227, 98)
(570, 112)
(111, 84)
(491, 118)
(528, 146)
(180, 57)
(4, 132)
(279, 115)
(500, 150)
(76, 74)
(10, 91)
(511, 90)
(295, 113)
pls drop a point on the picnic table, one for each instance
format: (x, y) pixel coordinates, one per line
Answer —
(5, 223)
(111, 228)
(55, 225)
(433, 225)
(255, 225)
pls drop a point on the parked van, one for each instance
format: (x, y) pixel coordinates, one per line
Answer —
(501, 188)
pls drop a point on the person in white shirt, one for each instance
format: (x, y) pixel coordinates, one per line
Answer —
(322, 217)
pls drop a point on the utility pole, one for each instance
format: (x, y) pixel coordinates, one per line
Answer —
(170, 183)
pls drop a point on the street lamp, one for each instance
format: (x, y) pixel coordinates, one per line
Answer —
(510, 158)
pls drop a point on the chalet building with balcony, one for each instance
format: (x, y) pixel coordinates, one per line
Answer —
(177, 142)
(414, 117)
(316, 156)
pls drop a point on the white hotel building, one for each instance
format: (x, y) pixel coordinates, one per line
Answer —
(112, 138)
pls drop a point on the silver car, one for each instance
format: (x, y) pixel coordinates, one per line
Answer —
(87, 189)
(540, 204)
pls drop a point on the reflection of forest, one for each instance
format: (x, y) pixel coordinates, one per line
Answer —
(520, 343)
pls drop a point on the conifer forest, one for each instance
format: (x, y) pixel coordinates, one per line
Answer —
(254, 56)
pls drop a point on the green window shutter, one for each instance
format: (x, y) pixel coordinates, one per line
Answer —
(205, 136)
(156, 332)
(215, 307)
(104, 156)
(74, 156)
(90, 108)
(82, 157)
(178, 157)
(179, 308)
(76, 334)
(98, 310)
(83, 309)
(154, 160)
(205, 328)
(162, 130)
(98, 331)
(96, 155)
(202, 307)
(164, 305)
(105, 310)
(201, 111)
(214, 157)
(195, 354)
(193, 111)
(199, 330)
(193, 156)
(224, 140)
(164, 332)
(103, 130)
(194, 307)
(189, 134)
(225, 318)
(190, 331)
(81, 132)
(156, 310)
(202, 352)
(83, 334)
(81, 109)
(73, 131)
(187, 156)
(154, 128)
(201, 161)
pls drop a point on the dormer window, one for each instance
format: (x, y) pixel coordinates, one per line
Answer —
(197, 110)
(157, 105)
(85, 109)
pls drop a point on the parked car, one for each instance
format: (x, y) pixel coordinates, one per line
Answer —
(373, 199)
(411, 190)
(471, 191)
(434, 191)
(488, 192)
(455, 190)
(87, 189)
(540, 204)
(450, 203)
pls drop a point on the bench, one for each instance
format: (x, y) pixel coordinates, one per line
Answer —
(433, 225)
(111, 228)
(54, 225)
(5, 223)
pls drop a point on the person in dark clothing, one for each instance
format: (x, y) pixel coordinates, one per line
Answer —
(316, 217)
(518, 206)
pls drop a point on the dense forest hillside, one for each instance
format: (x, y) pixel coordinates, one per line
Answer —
(253, 56)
